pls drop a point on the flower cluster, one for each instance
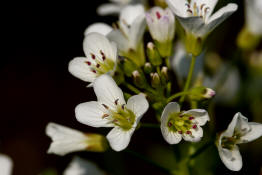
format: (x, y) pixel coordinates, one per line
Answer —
(129, 76)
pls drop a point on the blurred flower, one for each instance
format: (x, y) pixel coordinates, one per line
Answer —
(129, 36)
(101, 56)
(176, 124)
(67, 140)
(111, 110)
(6, 165)
(161, 25)
(79, 166)
(254, 16)
(239, 131)
(196, 16)
(98, 27)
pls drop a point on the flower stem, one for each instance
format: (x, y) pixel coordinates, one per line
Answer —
(201, 150)
(176, 95)
(132, 88)
(189, 77)
(149, 161)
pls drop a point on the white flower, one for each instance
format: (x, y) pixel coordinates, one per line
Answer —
(129, 36)
(112, 8)
(239, 131)
(101, 56)
(98, 27)
(254, 16)
(79, 166)
(161, 24)
(66, 140)
(6, 165)
(176, 124)
(196, 16)
(111, 110)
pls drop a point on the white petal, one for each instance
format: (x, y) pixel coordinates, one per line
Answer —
(99, 27)
(218, 17)
(138, 104)
(231, 158)
(91, 114)
(194, 24)
(95, 43)
(121, 41)
(253, 16)
(136, 31)
(79, 68)
(201, 116)
(107, 91)
(255, 132)
(6, 165)
(108, 9)
(196, 136)
(238, 122)
(178, 7)
(65, 140)
(119, 139)
(79, 166)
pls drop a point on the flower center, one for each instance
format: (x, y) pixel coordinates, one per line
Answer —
(121, 116)
(100, 64)
(181, 123)
(197, 10)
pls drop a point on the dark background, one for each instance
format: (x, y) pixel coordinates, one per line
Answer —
(39, 40)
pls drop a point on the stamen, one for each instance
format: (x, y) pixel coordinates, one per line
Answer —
(105, 115)
(94, 71)
(93, 56)
(88, 62)
(158, 15)
(123, 106)
(191, 118)
(190, 11)
(105, 106)
(202, 5)
(180, 132)
(103, 55)
(188, 5)
(98, 65)
(169, 124)
(194, 126)
(189, 132)
(116, 101)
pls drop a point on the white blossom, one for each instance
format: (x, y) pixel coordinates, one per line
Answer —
(6, 165)
(254, 16)
(239, 131)
(196, 17)
(111, 110)
(176, 124)
(98, 27)
(101, 56)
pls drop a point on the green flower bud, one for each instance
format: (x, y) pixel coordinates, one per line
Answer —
(96, 142)
(153, 55)
(201, 93)
(139, 79)
(155, 80)
(246, 40)
(119, 76)
(128, 66)
(148, 68)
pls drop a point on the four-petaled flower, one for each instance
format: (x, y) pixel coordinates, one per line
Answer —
(176, 124)
(161, 24)
(67, 140)
(239, 131)
(111, 110)
(101, 56)
(196, 16)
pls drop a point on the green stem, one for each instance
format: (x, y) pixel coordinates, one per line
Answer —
(149, 125)
(189, 77)
(176, 95)
(132, 88)
(201, 150)
(149, 161)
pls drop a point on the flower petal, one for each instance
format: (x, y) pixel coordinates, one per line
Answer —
(136, 31)
(121, 41)
(65, 140)
(108, 92)
(108, 9)
(178, 7)
(6, 165)
(253, 16)
(231, 158)
(196, 135)
(139, 105)
(170, 136)
(97, 44)
(194, 25)
(119, 138)
(79, 166)
(98, 27)
(201, 116)
(91, 114)
(238, 122)
(254, 133)
(218, 17)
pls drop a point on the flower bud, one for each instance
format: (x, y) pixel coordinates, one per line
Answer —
(155, 80)
(201, 93)
(97, 143)
(153, 54)
(127, 65)
(148, 68)
(246, 40)
(139, 79)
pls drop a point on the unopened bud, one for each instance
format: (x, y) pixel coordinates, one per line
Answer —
(148, 68)
(155, 80)
(139, 79)
(128, 66)
(164, 72)
(96, 142)
(246, 40)
(153, 54)
(201, 93)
